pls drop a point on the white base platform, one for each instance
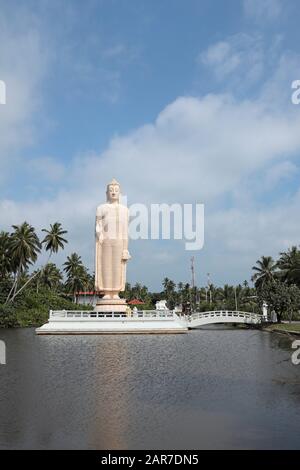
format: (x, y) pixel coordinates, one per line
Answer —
(74, 323)
(96, 328)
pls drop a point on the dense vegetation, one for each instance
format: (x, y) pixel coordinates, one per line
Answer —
(278, 283)
(191, 298)
(26, 298)
(275, 282)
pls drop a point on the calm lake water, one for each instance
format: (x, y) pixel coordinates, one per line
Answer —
(210, 388)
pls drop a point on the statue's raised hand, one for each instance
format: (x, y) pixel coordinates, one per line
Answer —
(125, 255)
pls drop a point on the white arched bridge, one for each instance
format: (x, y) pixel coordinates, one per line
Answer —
(222, 316)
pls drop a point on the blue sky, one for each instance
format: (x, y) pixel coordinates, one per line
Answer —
(182, 101)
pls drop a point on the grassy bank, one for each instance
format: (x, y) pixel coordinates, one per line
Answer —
(289, 328)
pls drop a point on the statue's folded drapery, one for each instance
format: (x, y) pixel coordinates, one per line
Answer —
(111, 248)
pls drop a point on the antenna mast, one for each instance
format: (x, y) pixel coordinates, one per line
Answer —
(208, 287)
(193, 270)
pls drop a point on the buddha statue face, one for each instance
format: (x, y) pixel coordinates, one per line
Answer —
(113, 193)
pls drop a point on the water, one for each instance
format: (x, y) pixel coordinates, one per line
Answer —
(210, 388)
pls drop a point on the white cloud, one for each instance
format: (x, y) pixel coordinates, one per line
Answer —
(240, 58)
(239, 237)
(263, 10)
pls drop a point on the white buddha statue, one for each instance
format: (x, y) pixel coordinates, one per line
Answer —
(112, 253)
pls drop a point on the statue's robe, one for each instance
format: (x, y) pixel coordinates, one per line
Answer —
(111, 242)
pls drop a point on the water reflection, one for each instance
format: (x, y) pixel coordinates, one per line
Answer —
(109, 428)
(212, 388)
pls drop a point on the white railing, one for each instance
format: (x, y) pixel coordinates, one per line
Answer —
(80, 315)
(193, 320)
(226, 315)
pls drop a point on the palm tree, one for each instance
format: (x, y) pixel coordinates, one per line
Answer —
(169, 291)
(180, 292)
(265, 271)
(144, 294)
(136, 290)
(53, 241)
(54, 238)
(128, 291)
(90, 282)
(50, 276)
(186, 297)
(165, 283)
(24, 248)
(227, 292)
(210, 291)
(5, 259)
(289, 265)
(72, 264)
(238, 292)
(77, 276)
(76, 282)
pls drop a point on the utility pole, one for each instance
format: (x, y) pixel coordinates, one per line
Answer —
(193, 271)
(236, 304)
(208, 287)
(192, 296)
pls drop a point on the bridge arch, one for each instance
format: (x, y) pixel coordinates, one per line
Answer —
(223, 316)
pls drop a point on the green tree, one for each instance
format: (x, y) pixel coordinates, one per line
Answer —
(77, 275)
(54, 238)
(186, 298)
(169, 292)
(72, 264)
(289, 265)
(24, 248)
(52, 241)
(128, 291)
(5, 254)
(281, 297)
(265, 271)
(50, 276)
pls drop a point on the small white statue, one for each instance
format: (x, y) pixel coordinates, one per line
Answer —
(265, 311)
(112, 252)
(135, 311)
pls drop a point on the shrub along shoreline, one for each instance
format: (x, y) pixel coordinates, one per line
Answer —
(32, 308)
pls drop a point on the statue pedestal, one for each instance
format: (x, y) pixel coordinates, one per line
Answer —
(111, 305)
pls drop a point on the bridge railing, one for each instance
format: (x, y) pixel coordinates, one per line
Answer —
(234, 314)
(90, 315)
(79, 315)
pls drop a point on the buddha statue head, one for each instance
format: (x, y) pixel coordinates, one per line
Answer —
(113, 191)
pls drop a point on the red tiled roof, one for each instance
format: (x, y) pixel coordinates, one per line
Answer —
(136, 302)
